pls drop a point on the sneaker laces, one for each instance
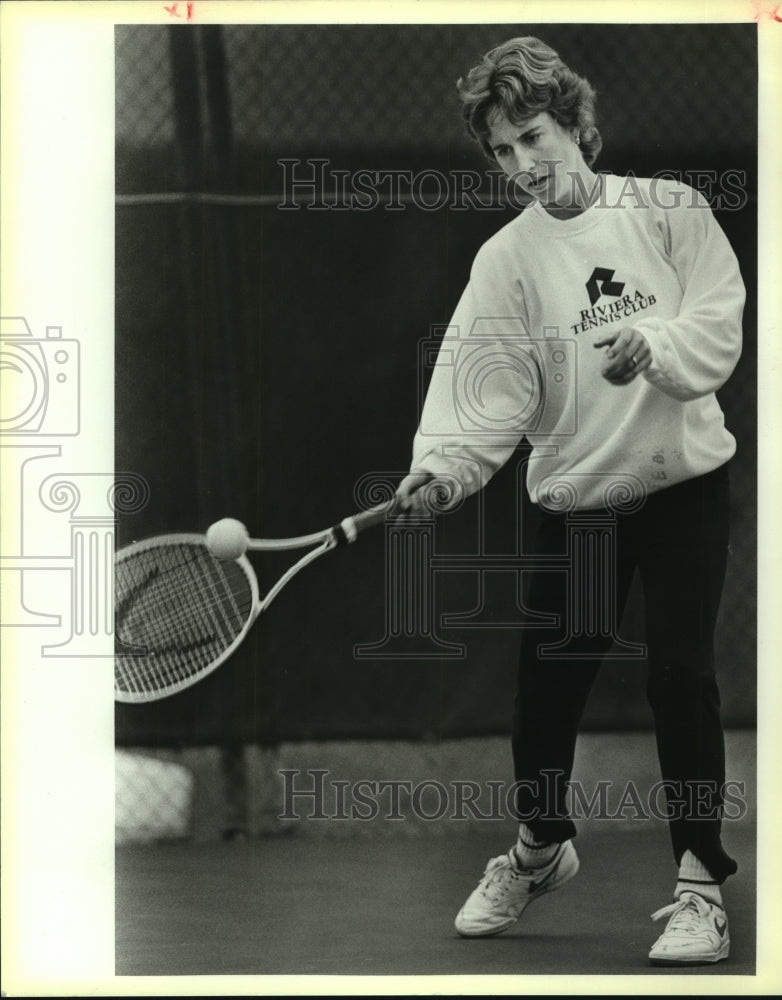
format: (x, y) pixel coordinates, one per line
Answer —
(500, 872)
(686, 913)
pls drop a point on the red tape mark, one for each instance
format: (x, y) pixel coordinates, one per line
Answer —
(174, 11)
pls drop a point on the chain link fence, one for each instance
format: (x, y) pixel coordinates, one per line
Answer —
(390, 88)
(154, 798)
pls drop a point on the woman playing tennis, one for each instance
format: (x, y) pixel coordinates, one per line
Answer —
(640, 285)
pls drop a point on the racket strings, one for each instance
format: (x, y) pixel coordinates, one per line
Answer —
(174, 617)
(172, 598)
(160, 664)
(178, 609)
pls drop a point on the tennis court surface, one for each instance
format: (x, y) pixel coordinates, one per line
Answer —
(323, 902)
(376, 906)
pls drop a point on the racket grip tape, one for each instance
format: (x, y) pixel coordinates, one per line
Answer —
(349, 529)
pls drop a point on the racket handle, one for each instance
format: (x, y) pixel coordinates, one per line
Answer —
(349, 529)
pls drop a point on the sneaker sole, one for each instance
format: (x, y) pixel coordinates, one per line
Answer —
(670, 962)
(487, 934)
(548, 887)
(720, 956)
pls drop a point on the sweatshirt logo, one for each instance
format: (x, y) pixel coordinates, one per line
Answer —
(601, 283)
(623, 307)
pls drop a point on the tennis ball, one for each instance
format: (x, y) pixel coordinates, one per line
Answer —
(227, 539)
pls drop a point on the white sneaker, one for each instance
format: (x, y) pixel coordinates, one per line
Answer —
(506, 890)
(697, 933)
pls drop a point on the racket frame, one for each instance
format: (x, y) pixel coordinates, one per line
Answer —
(192, 539)
(318, 543)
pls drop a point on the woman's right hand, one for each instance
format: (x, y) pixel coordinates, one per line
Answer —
(409, 496)
(412, 497)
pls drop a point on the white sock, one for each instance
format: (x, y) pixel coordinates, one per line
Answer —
(531, 852)
(694, 876)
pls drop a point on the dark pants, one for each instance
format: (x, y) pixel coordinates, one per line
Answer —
(678, 542)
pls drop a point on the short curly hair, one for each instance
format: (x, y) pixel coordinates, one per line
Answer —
(522, 78)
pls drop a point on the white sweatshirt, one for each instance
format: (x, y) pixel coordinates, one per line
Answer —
(518, 357)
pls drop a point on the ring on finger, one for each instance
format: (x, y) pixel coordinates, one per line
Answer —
(634, 361)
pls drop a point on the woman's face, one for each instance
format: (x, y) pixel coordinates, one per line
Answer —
(541, 157)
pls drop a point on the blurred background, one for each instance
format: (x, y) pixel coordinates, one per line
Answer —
(267, 357)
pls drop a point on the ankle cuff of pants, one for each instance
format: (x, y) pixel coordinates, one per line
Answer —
(552, 830)
(715, 858)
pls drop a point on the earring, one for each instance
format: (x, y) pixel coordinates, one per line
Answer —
(577, 139)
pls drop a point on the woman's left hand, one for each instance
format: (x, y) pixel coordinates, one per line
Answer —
(627, 356)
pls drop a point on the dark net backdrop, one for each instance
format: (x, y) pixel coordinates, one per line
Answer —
(267, 358)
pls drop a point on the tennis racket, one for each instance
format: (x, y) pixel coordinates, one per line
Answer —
(184, 603)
